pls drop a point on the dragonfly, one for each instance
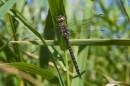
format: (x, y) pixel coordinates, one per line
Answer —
(65, 34)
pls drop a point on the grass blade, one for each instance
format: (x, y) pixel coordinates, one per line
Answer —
(30, 27)
(6, 7)
(33, 69)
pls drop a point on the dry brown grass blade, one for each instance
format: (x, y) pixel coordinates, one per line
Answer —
(11, 70)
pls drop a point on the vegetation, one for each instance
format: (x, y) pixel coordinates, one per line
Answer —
(33, 52)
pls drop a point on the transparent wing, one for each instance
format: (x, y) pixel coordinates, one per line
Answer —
(86, 28)
(94, 27)
(98, 26)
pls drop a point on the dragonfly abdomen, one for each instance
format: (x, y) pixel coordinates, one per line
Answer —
(74, 61)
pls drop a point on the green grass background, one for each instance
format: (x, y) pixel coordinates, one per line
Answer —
(32, 52)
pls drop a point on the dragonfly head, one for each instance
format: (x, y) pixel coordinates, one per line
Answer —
(60, 18)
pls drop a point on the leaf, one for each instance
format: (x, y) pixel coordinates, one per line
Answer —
(123, 9)
(56, 8)
(44, 55)
(6, 7)
(33, 69)
(82, 61)
(30, 27)
(20, 5)
(13, 25)
(10, 55)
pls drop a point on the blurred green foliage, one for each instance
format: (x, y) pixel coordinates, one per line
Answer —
(23, 23)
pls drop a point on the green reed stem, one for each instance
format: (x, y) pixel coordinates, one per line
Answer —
(67, 67)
